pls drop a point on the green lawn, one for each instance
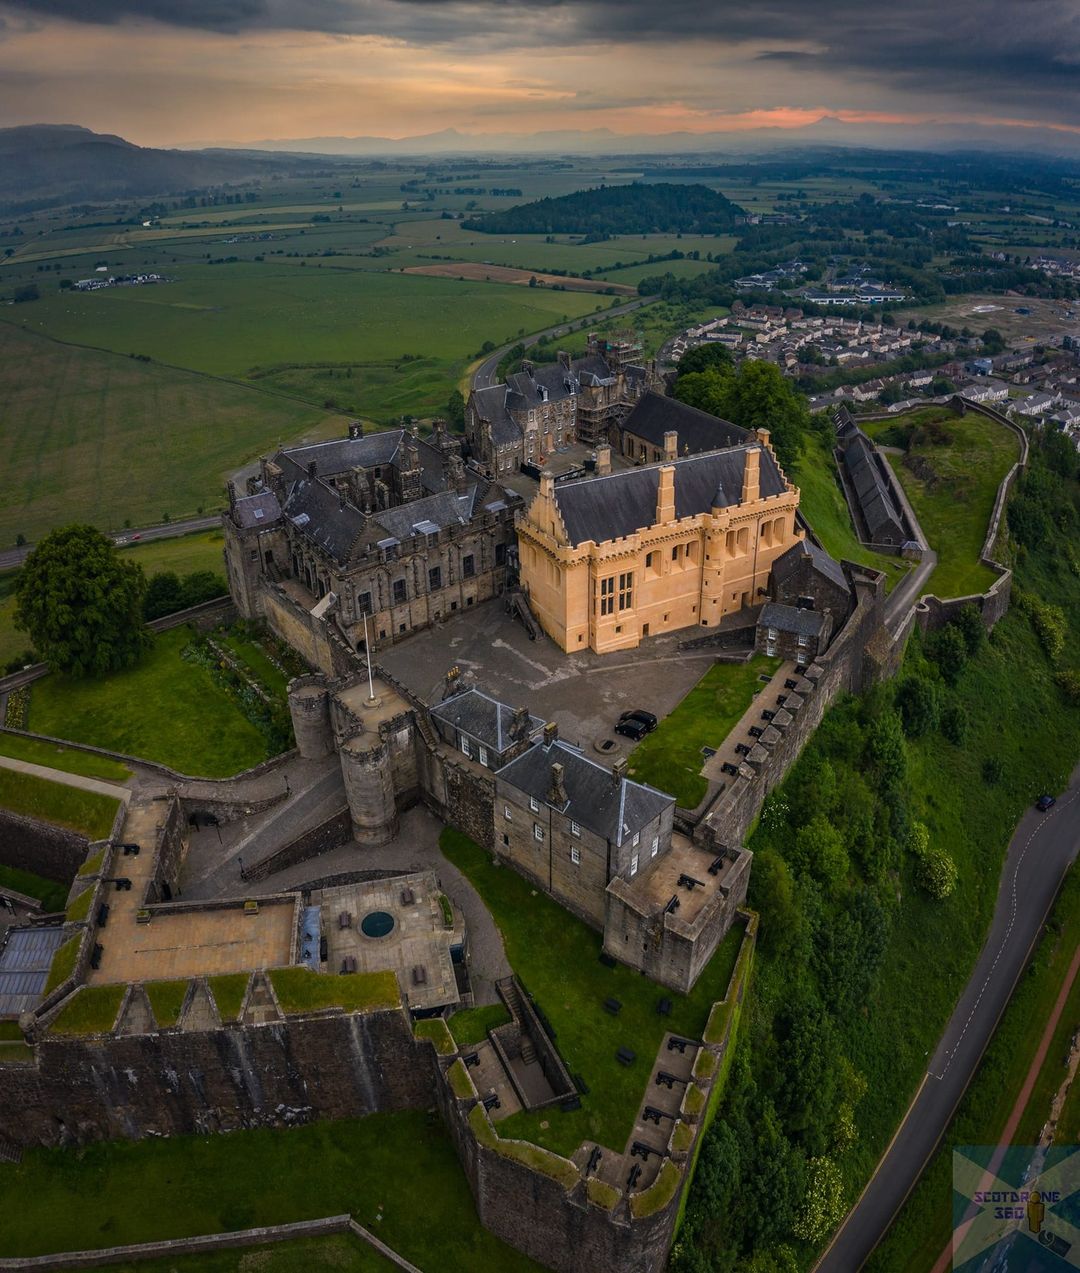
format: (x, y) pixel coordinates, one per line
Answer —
(95, 437)
(51, 895)
(557, 959)
(670, 758)
(338, 1251)
(165, 709)
(55, 756)
(397, 1174)
(252, 655)
(822, 503)
(183, 555)
(472, 1024)
(954, 497)
(924, 1226)
(87, 812)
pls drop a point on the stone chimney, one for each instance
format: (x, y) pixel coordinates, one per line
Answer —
(603, 460)
(751, 482)
(618, 771)
(671, 445)
(665, 496)
(547, 485)
(456, 476)
(232, 494)
(356, 428)
(519, 723)
(526, 366)
(564, 360)
(557, 792)
(311, 470)
(551, 733)
(764, 437)
(453, 681)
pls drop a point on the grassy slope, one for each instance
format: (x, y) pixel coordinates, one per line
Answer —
(165, 709)
(954, 511)
(51, 895)
(339, 1251)
(57, 757)
(87, 812)
(542, 942)
(824, 507)
(670, 758)
(924, 1226)
(93, 437)
(397, 1174)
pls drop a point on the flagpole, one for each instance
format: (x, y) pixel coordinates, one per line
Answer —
(367, 652)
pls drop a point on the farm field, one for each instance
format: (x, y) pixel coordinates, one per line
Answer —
(93, 437)
(959, 464)
(472, 272)
(980, 311)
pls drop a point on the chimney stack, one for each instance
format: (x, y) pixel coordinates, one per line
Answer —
(618, 771)
(547, 485)
(551, 733)
(671, 445)
(519, 723)
(557, 792)
(356, 429)
(751, 482)
(232, 494)
(603, 460)
(665, 496)
(564, 360)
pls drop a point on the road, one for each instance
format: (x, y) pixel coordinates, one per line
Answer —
(1042, 849)
(484, 375)
(13, 558)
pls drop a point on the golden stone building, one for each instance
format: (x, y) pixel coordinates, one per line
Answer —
(679, 544)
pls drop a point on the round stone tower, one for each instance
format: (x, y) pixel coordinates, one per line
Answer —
(367, 771)
(309, 706)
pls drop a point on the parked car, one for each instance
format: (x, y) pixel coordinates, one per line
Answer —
(632, 727)
(1045, 802)
(647, 718)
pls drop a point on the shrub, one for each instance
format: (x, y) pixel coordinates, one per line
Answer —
(949, 651)
(969, 624)
(954, 723)
(823, 1203)
(919, 705)
(1068, 682)
(993, 770)
(936, 874)
(1050, 626)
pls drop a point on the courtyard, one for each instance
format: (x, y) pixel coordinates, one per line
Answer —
(585, 692)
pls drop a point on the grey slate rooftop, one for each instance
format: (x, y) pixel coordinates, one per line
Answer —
(825, 565)
(610, 507)
(261, 509)
(654, 415)
(790, 619)
(483, 718)
(613, 809)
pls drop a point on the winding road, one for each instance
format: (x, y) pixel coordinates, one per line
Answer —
(1043, 848)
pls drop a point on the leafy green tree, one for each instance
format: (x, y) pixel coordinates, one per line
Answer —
(163, 596)
(200, 586)
(823, 1205)
(705, 358)
(919, 705)
(887, 751)
(772, 895)
(936, 874)
(949, 651)
(821, 848)
(707, 390)
(762, 397)
(455, 410)
(954, 723)
(969, 623)
(82, 604)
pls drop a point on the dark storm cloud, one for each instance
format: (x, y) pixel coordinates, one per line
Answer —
(982, 54)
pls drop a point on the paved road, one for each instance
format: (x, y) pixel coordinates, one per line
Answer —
(13, 558)
(484, 375)
(97, 785)
(1042, 849)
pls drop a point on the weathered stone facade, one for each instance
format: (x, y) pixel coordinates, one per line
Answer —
(40, 847)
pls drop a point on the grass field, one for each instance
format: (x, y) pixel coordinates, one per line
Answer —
(557, 959)
(92, 437)
(337, 1251)
(68, 759)
(165, 709)
(49, 893)
(954, 497)
(670, 758)
(823, 505)
(924, 1226)
(86, 812)
(183, 555)
(397, 1174)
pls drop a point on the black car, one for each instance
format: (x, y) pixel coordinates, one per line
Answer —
(646, 718)
(632, 727)
(1045, 802)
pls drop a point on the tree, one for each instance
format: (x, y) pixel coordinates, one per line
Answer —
(968, 622)
(200, 586)
(948, 649)
(821, 851)
(919, 706)
(28, 292)
(936, 874)
(82, 604)
(954, 723)
(887, 751)
(704, 358)
(455, 410)
(761, 397)
(162, 596)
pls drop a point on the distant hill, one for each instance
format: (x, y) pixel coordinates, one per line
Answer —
(46, 164)
(660, 207)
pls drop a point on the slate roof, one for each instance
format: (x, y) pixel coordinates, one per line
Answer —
(483, 718)
(491, 404)
(790, 619)
(24, 967)
(787, 563)
(875, 501)
(615, 810)
(603, 508)
(258, 510)
(319, 514)
(654, 415)
(370, 451)
(442, 510)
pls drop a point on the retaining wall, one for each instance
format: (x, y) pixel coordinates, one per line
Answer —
(50, 851)
(331, 834)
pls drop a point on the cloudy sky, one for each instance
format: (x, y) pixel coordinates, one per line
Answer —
(163, 72)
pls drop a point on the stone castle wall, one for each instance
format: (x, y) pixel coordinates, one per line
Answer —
(40, 847)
